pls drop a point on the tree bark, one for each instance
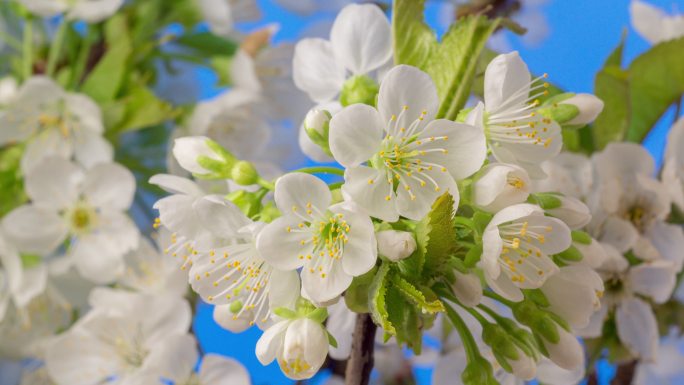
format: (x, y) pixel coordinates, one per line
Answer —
(360, 362)
(625, 373)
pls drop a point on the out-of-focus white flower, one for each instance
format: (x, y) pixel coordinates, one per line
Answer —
(8, 90)
(55, 123)
(673, 170)
(668, 368)
(235, 276)
(188, 150)
(221, 15)
(574, 294)
(499, 185)
(268, 72)
(340, 324)
(653, 24)
(413, 159)
(516, 133)
(85, 208)
(300, 347)
(569, 174)
(360, 43)
(395, 245)
(517, 244)
(149, 270)
(90, 11)
(125, 335)
(333, 244)
(18, 284)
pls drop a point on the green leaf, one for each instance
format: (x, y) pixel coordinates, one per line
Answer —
(442, 236)
(106, 79)
(611, 86)
(656, 81)
(377, 299)
(406, 319)
(417, 297)
(356, 295)
(331, 340)
(144, 109)
(414, 41)
(208, 45)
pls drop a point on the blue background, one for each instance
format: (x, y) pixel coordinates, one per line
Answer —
(582, 34)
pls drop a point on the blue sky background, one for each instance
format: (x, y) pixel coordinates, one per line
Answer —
(582, 33)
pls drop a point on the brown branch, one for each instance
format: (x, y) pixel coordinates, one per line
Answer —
(625, 373)
(360, 362)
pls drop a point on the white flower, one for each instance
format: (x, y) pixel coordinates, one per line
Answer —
(360, 43)
(572, 211)
(221, 15)
(668, 368)
(18, 285)
(236, 276)
(500, 185)
(333, 243)
(395, 245)
(516, 133)
(653, 24)
(55, 123)
(589, 107)
(574, 294)
(268, 73)
(86, 208)
(150, 271)
(314, 120)
(214, 370)
(300, 347)
(517, 243)
(673, 170)
(124, 335)
(412, 159)
(90, 11)
(569, 174)
(636, 324)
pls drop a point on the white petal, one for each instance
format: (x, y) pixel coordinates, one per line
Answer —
(623, 158)
(669, 240)
(176, 185)
(655, 279)
(172, 358)
(507, 80)
(282, 248)
(368, 188)
(638, 328)
(594, 328)
(619, 233)
(356, 134)
(176, 213)
(406, 86)
(647, 21)
(567, 353)
(109, 186)
(322, 289)
(503, 286)
(219, 370)
(467, 288)
(226, 319)
(95, 260)
(425, 196)
(299, 192)
(188, 149)
(361, 38)
(34, 230)
(465, 144)
(492, 190)
(341, 323)
(90, 148)
(572, 293)
(78, 359)
(316, 71)
(54, 183)
(94, 11)
(220, 216)
(283, 289)
(361, 251)
(47, 144)
(492, 245)
(271, 342)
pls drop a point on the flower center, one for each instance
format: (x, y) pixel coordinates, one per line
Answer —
(519, 244)
(638, 216)
(295, 366)
(515, 182)
(131, 351)
(83, 218)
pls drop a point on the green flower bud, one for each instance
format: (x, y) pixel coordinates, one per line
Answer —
(244, 173)
(478, 372)
(317, 125)
(203, 157)
(359, 89)
(572, 254)
(581, 237)
(547, 201)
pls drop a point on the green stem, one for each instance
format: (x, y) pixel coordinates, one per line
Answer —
(472, 352)
(336, 185)
(11, 41)
(55, 48)
(83, 55)
(490, 312)
(493, 295)
(321, 170)
(266, 184)
(27, 50)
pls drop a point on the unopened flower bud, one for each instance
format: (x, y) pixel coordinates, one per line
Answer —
(500, 185)
(467, 288)
(244, 173)
(566, 352)
(578, 285)
(395, 245)
(593, 254)
(201, 155)
(478, 372)
(589, 107)
(572, 211)
(509, 352)
(313, 137)
(359, 89)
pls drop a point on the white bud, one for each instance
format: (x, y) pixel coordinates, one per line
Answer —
(525, 367)
(593, 253)
(567, 352)
(189, 148)
(500, 185)
(572, 211)
(467, 288)
(395, 245)
(317, 119)
(589, 108)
